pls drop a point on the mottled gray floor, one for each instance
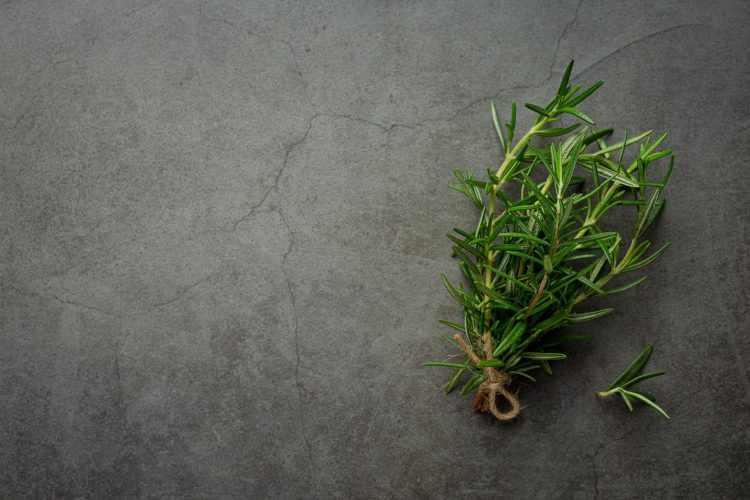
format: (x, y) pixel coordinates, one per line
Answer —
(223, 225)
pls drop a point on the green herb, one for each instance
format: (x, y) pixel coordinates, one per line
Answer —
(537, 254)
(624, 383)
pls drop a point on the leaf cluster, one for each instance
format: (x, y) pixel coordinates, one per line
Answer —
(623, 385)
(535, 255)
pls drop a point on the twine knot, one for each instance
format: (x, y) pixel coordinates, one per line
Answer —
(496, 384)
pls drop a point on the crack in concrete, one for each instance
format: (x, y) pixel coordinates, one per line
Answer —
(261, 36)
(596, 476)
(287, 153)
(295, 328)
(182, 292)
(639, 39)
(599, 449)
(560, 38)
(274, 186)
(117, 383)
(119, 17)
(542, 84)
(551, 71)
(77, 304)
(384, 128)
(50, 65)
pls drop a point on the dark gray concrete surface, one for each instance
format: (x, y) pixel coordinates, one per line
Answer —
(223, 225)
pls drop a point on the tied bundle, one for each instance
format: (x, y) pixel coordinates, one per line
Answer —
(540, 248)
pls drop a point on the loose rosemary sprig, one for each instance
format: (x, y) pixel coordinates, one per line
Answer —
(534, 257)
(630, 377)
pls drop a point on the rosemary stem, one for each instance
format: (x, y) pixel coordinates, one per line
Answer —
(522, 142)
(614, 272)
(507, 162)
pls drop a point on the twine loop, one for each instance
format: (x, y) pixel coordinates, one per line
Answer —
(496, 384)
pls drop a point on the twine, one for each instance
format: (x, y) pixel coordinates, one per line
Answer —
(495, 385)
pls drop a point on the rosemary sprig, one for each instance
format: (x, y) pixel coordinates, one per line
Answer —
(630, 377)
(534, 257)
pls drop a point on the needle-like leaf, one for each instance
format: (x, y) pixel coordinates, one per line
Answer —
(641, 378)
(629, 378)
(644, 399)
(635, 367)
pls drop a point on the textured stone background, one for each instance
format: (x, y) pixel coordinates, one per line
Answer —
(223, 225)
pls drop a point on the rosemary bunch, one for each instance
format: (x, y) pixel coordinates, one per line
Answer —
(535, 256)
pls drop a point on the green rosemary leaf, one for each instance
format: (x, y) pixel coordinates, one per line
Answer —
(460, 296)
(594, 136)
(511, 126)
(510, 340)
(599, 185)
(539, 356)
(623, 288)
(571, 91)
(590, 284)
(473, 383)
(656, 156)
(619, 145)
(587, 316)
(624, 145)
(453, 325)
(546, 366)
(544, 202)
(669, 172)
(635, 367)
(513, 280)
(522, 374)
(453, 380)
(453, 342)
(498, 128)
(577, 114)
(648, 260)
(491, 363)
(543, 305)
(476, 183)
(524, 256)
(641, 378)
(547, 263)
(463, 233)
(649, 396)
(554, 132)
(581, 256)
(521, 208)
(496, 297)
(466, 246)
(646, 214)
(563, 88)
(647, 150)
(507, 247)
(604, 235)
(571, 142)
(601, 165)
(537, 109)
(627, 399)
(447, 365)
(644, 399)
(527, 237)
(526, 366)
(583, 95)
